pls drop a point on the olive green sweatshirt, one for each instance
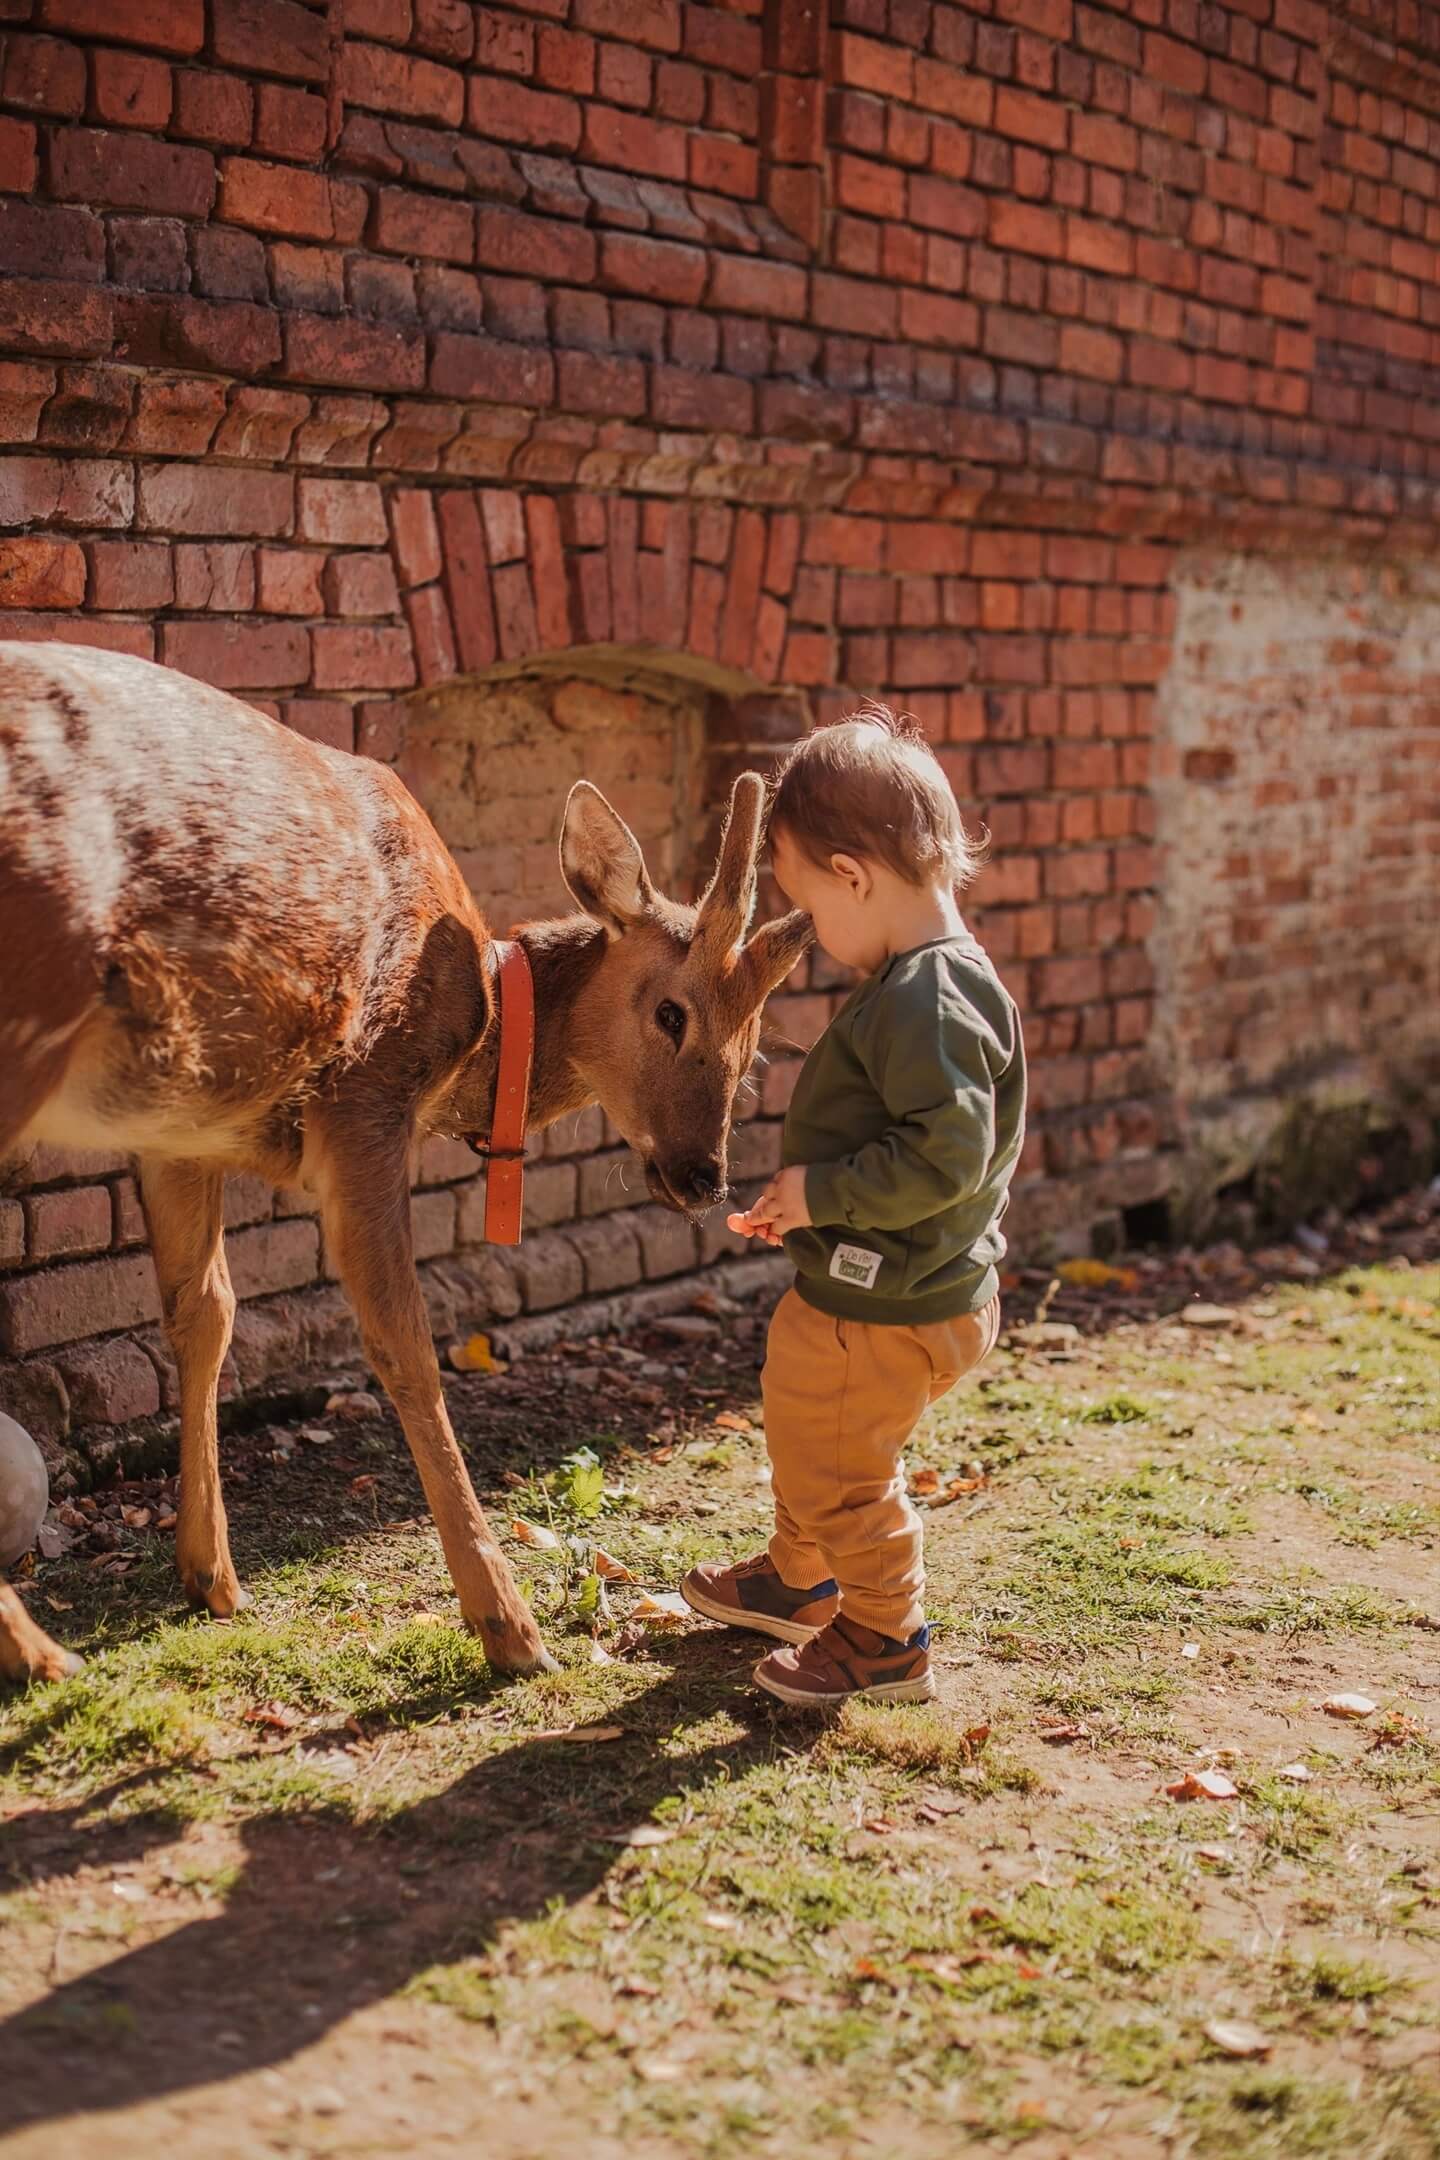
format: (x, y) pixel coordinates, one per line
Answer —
(909, 1114)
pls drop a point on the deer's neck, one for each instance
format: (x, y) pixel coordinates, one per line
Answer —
(563, 954)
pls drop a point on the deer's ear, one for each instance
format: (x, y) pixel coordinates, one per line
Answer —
(601, 862)
(724, 913)
(773, 951)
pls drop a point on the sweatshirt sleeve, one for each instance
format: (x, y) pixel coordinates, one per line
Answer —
(932, 1074)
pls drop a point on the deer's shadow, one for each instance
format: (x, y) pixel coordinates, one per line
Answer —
(325, 1919)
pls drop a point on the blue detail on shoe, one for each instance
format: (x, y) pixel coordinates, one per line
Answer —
(920, 1640)
(766, 1593)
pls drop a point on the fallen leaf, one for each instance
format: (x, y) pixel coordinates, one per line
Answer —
(925, 1482)
(610, 1570)
(135, 1518)
(731, 1421)
(1233, 2038)
(476, 1355)
(941, 1804)
(1207, 1316)
(655, 2071)
(1348, 1706)
(273, 1716)
(363, 1484)
(583, 1733)
(975, 1736)
(529, 1533)
(879, 1825)
(661, 1608)
(1294, 1773)
(599, 1655)
(724, 1923)
(1096, 1274)
(632, 1986)
(865, 1968)
(133, 1893)
(1060, 1735)
(166, 1522)
(59, 1604)
(1203, 1785)
(1398, 1729)
(645, 1833)
(1221, 1855)
(316, 1435)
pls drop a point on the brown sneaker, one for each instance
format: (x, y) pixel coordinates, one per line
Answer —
(751, 1595)
(848, 1660)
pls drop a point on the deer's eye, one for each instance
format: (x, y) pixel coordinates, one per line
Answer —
(670, 1017)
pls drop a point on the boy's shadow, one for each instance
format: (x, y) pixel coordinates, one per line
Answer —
(325, 1919)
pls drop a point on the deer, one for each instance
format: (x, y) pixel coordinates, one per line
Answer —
(228, 948)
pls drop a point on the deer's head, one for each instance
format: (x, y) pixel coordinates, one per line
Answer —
(665, 1024)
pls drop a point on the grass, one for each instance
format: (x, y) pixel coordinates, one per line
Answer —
(908, 1925)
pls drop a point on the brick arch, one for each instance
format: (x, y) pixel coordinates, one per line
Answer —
(491, 577)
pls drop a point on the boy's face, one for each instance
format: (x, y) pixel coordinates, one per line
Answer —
(839, 899)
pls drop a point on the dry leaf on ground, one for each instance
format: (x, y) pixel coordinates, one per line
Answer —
(536, 1534)
(645, 1833)
(354, 1403)
(1294, 1773)
(610, 1569)
(731, 1421)
(1087, 1274)
(661, 1608)
(476, 1355)
(582, 1733)
(1203, 1785)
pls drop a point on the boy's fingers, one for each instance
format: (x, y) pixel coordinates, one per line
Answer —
(741, 1225)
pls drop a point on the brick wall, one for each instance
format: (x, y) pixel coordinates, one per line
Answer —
(792, 350)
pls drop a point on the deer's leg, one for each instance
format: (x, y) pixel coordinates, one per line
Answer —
(184, 1212)
(26, 1651)
(366, 1205)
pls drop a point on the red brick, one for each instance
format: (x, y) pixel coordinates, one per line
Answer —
(62, 1304)
(534, 247)
(130, 574)
(110, 1383)
(417, 538)
(131, 173)
(1101, 140)
(653, 23)
(34, 237)
(175, 331)
(955, 92)
(47, 491)
(493, 371)
(39, 573)
(128, 90)
(42, 75)
(510, 112)
(341, 513)
(655, 269)
(40, 317)
(433, 634)
(565, 60)
(752, 287)
(273, 1256)
(467, 578)
(686, 400)
(406, 224)
(208, 499)
(357, 585)
(353, 658)
(363, 356)
(293, 40)
(176, 418)
(288, 581)
(794, 37)
(277, 199)
(215, 574)
(792, 119)
(174, 26)
(547, 560)
(634, 143)
(290, 123)
(237, 655)
(17, 155)
(214, 108)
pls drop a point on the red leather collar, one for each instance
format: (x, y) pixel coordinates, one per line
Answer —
(504, 1149)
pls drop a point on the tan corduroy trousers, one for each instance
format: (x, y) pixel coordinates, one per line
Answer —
(842, 1397)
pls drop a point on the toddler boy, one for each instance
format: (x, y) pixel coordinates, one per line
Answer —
(898, 1151)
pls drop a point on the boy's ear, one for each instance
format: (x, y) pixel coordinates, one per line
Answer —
(854, 872)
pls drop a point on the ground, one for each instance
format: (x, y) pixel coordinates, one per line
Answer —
(315, 1883)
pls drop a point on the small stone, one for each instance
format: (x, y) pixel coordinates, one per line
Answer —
(686, 1327)
(24, 1491)
(1207, 1316)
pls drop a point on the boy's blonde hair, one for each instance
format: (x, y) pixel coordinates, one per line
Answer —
(872, 786)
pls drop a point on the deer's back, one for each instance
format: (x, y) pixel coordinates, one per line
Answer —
(214, 908)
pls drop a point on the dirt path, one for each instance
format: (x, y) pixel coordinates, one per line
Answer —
(311, 1884)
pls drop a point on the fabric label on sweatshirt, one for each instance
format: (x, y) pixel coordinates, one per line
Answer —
(853, 1264)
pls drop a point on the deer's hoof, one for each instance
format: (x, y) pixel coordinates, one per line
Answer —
(219, 1594)
(514, 1650)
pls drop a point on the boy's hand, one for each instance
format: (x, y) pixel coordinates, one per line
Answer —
(780, 1207)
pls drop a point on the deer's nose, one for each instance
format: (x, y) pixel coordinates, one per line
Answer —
(701, 1184)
